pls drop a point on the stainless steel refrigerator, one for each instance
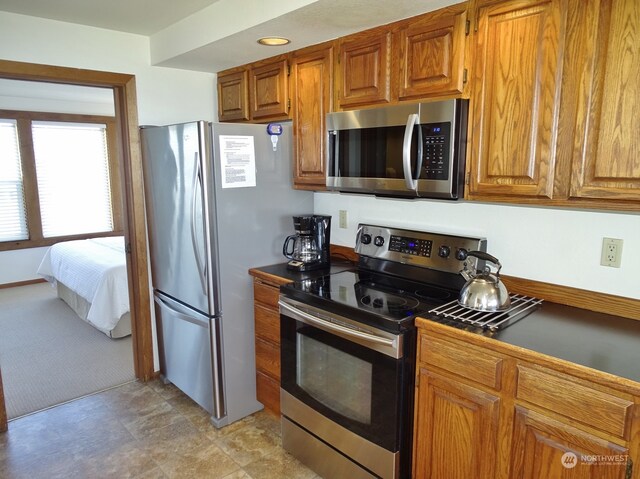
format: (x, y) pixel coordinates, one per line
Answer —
(219, 200)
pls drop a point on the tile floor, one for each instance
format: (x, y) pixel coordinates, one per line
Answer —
(145, 431)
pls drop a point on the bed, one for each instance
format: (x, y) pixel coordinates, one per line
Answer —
(91, 277)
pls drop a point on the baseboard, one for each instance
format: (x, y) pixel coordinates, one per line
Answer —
(22, 283)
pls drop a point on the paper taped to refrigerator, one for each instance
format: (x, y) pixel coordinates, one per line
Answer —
(238, 161)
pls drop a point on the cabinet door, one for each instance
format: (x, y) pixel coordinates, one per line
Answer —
(544, 448)
(606, 159)
(270, 91)
(517, 80)
(364, 72)
(233, 96)
(455, 432)
(312, 77)
(432, 55)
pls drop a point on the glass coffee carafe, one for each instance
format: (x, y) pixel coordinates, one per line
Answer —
(304, 248)
(308, 248)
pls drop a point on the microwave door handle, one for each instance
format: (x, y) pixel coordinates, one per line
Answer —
(412, 184)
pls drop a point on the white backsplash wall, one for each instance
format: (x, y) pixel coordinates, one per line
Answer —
(558, 246)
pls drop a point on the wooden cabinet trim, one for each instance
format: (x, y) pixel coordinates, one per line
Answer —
(574, 399)
(598, 378)
(312, 86)
(268, 392)
(468, 362)
(268, 359)
(432, 54)
(267, 278)
(364, 72)
(579, 298)
(606, 139)
(266, 294)
(269, 90)
(267, 324)
(505, 160)
(454, 420)
(539, 442)
(233, 96)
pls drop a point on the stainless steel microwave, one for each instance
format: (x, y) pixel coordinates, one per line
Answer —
(415, 150)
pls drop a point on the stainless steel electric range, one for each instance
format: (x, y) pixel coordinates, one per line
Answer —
(348, 350)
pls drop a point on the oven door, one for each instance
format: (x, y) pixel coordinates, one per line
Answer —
(345, 371)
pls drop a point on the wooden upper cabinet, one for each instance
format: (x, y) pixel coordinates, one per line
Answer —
(455, 430)
(311, 74)
(517, 82)
(233, 96)
(543, 447)
(363, 76)
(606, 155)
(269, 90)
(432, 54)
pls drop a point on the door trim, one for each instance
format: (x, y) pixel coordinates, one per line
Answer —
(126, 112)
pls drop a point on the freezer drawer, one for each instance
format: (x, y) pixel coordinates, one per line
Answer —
(185, 350)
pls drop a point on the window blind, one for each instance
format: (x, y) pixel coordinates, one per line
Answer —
(72, 168)
(13, 218)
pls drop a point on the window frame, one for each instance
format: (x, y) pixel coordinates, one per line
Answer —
(30, 182)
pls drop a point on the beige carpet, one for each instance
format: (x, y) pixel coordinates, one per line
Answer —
(48, 355)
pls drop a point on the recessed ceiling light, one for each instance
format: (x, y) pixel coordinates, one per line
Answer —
(273, 41)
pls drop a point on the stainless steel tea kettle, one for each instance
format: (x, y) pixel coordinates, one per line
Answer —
(483, 291)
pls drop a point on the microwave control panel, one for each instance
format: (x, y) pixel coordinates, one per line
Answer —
(436, 150)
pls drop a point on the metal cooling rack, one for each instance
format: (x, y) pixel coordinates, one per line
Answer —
(521, 306)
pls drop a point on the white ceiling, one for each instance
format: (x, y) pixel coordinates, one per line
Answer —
(144, 17)
(212, 35)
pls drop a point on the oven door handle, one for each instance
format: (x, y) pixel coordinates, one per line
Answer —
(390, 345)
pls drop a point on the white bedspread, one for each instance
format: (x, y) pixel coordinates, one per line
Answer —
(96, 270)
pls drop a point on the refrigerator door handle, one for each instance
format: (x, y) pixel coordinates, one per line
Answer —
(185, 317)
(197, 181)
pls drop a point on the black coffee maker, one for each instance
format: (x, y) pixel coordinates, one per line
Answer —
(309, 248)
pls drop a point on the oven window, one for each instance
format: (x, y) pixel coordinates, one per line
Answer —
(340, 381)
(358, 388)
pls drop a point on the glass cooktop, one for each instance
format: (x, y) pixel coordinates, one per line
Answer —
(386, 300)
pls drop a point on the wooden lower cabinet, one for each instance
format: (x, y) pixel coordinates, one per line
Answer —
(267, 342)
(268, 392)
(456, 429)
(541, 418)
(543, 448)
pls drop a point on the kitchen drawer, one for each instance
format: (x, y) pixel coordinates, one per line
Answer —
(573, 398)
(267, 324)
(461, 359)
(265, 294)
(268, 392)
(268, 359)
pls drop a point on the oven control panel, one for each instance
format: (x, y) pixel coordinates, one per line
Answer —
(437, 251)
(415, 246)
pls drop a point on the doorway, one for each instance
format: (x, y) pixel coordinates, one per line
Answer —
(131, 172)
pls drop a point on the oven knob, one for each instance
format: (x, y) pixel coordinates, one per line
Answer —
(444, 251)
(461, 254)
(378, 303)
(378, 241)
(366, 238)
(366, 299)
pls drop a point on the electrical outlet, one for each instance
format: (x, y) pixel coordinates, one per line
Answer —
(343, 218)
(611, 252)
